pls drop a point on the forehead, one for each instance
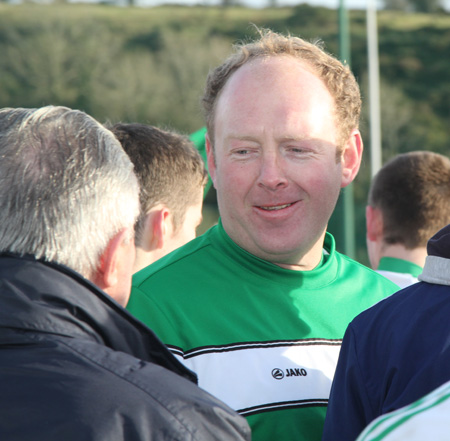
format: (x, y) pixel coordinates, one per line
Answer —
(272, 70)
(274, 90)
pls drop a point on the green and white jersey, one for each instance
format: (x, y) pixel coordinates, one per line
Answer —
(402, 272)
(425, 419)
(262, 338)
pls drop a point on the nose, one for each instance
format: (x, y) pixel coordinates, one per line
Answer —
(272, 175)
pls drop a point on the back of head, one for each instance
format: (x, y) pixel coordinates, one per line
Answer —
(412, 191)
(338, 78)
(169, 168)
(67, 187)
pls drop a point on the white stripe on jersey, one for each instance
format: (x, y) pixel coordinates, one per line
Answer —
(252, 377)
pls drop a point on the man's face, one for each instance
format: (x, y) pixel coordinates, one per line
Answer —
(275, 168)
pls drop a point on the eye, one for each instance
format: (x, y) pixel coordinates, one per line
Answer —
(295, 149)
(243, 152)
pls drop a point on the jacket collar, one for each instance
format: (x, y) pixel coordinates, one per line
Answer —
(437, 263)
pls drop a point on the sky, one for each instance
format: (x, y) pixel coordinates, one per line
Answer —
(350, 4)
(333, 4)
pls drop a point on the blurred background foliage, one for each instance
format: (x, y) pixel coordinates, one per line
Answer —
(149, 65)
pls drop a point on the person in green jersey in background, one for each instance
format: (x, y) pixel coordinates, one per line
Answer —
(172, 178)
(257, 306)
(426, 418)
(408, 203)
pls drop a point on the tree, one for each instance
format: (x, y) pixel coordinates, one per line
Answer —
(415, 5)
(396, 5)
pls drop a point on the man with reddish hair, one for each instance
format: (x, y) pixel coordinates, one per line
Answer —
(257, 305)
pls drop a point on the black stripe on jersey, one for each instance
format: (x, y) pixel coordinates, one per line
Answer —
(253, 345)
(283, 405)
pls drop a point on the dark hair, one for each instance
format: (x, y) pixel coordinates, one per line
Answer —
(412, 191)
(169, 168)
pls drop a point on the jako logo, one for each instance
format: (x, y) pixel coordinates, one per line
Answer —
(277, 374)
(296, 372)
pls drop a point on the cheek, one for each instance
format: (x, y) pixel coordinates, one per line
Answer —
(235, 178)
(328, 175)
(321, 183)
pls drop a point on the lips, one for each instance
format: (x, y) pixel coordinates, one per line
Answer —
(274, 207)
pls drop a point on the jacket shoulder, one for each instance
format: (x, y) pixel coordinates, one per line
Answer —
(107, 394)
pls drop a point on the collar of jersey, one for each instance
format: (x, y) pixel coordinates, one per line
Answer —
(399, 266)
(322, 275)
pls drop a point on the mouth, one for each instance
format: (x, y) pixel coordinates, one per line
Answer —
(275, 207)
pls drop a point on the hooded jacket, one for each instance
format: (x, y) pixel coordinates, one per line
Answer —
(75, 365)
(395, 352)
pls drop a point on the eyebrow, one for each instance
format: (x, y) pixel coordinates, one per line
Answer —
(240, 138)
(253, 138)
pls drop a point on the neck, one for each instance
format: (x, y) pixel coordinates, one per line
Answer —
(308, 262)
(416, 255)
(145, 258)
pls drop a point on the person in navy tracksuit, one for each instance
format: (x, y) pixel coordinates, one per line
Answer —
(395, 352)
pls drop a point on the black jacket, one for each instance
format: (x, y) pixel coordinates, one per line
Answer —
(75, 365)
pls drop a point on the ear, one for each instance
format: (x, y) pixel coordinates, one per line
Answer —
(374, 235)
(157, 227)
(160, 226)
(351, 158)
(210, 159)
(374, 224)
(107, 274)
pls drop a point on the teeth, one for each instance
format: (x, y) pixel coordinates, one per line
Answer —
(278, 207)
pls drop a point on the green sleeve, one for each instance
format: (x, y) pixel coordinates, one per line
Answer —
(145, 309)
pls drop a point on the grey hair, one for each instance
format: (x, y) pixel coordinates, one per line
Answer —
(66, 186)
